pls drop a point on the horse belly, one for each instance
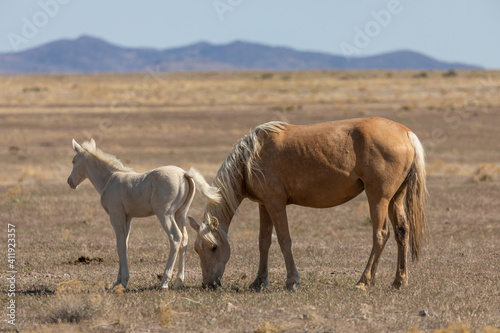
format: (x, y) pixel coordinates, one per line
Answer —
(323, 192)
(140, 209)
(136, 201)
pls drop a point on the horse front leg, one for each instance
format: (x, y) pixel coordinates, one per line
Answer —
(121, 226)
(277, 212)
(265, 239)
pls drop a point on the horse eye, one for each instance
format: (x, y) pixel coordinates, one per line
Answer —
(214, 248)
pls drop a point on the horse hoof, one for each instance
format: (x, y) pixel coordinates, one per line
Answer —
(258, 285)
(293, 286)
(360, 286)
(255, 287)
(398, 285)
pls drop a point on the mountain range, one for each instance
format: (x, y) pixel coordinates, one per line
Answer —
(93, 55)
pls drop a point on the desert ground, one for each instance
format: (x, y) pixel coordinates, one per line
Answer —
(65, 254)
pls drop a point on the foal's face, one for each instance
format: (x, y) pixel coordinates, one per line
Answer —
(78, 174)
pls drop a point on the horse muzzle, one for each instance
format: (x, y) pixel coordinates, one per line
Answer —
(71, 184)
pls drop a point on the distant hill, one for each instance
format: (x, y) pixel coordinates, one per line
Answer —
(92, 55)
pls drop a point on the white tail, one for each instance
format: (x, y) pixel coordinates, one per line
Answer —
(210, 192)
(416, 197)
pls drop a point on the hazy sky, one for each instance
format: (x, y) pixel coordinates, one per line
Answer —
(451, 30)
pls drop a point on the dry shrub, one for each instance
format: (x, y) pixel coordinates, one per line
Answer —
(464, 328)
(71, 309)
(266, 327)
(164, 314)
(450, 73)
(455, 328)
(486, 172)
(72, 286)
(438, 166)
(119, 289)
(35, 173)
(17, 194)
(13, 193)
(414, 329)
(65, 234)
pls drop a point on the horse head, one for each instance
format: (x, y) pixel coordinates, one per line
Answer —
(213, 248)
(78, 174)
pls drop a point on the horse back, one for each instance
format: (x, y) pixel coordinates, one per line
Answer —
(144, 194)
(327, 164)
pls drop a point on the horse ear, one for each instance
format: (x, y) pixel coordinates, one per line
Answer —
(214, 224)
(92, 143)
(194, 224)
(77, 148)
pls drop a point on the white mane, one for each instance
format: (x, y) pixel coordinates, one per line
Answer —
(109, 159)
(243, 157)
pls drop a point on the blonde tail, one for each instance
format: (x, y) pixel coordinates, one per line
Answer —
(415, 198)
(210, 192)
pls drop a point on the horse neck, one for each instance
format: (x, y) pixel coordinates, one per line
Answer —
(224, 211)
(99, 172)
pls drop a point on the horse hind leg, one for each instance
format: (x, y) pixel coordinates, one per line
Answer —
(401, 232)
(179, 280)
(378, 214)
(180, 219)
(175, 237)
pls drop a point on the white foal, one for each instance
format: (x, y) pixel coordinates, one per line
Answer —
(166, 192)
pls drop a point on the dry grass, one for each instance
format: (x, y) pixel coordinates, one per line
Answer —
(486, 172)
(193, 120)
(70, 309)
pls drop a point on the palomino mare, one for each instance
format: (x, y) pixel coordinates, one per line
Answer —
(321, 165)
(166, 192)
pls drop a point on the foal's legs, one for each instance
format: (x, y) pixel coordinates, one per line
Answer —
(378, 214)
(180, 219)
(170, 226)
(179, 281)
(277, 212)
(402, 235)
(121, 226)
(265, 238)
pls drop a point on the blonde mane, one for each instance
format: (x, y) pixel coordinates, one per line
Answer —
(109, 159)
(243, 157)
